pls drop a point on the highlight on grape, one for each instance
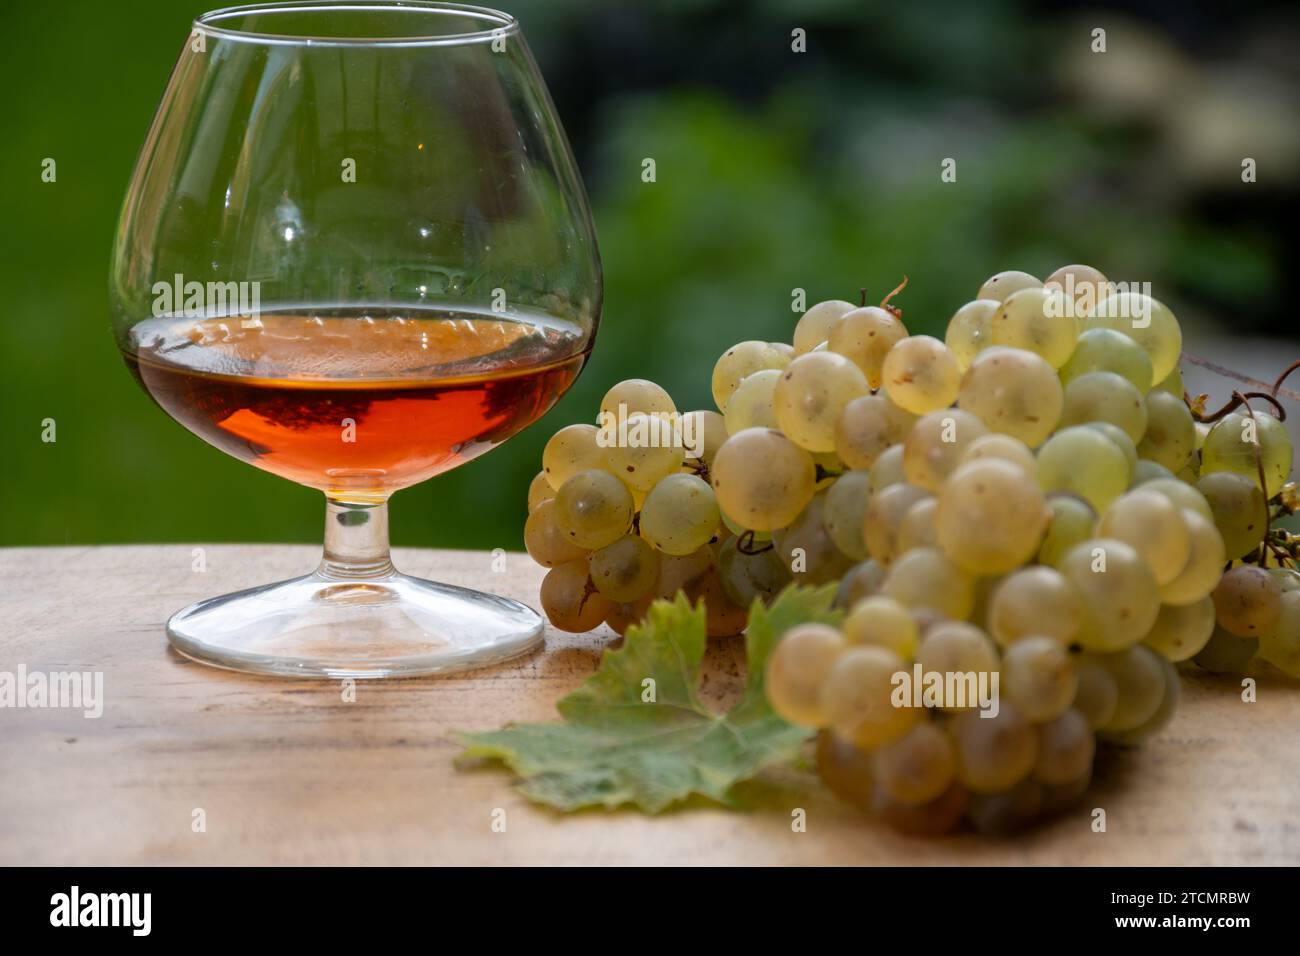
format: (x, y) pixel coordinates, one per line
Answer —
(1032, 502)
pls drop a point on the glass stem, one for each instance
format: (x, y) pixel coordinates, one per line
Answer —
(356, 541)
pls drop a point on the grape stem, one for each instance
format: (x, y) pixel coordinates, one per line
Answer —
(1275, 389)
(699, 466)
(745, 544)
(1238, 399)
(1282, 378)
(893, 310)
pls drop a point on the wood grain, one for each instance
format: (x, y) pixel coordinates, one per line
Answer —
(287, 772)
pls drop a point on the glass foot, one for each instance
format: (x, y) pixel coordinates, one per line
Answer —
(386, 626)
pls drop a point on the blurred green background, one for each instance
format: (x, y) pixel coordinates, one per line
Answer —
(776, 170)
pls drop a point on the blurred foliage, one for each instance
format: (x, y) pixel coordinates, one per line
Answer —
(775, 171)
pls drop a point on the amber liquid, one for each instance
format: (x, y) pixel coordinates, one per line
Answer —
(357, 403)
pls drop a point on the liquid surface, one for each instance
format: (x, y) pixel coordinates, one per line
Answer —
(357, 403)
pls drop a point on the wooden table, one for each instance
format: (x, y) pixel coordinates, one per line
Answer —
(287, 772)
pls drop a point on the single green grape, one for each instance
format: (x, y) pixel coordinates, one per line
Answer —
(1084, 462)
(1105, 397)
(814, 327)
(1120, 595)
(1163, 713)
(544, 539)
(807, 549)
(968, 330)
(680, 514)
(1145, 320)
(1037, 320)
(1006, 447)
(572, 449)
(867, 426)
(920, 375)
(917, 529)
(626, 570)
(740, 361)
(1121, 440)
(1140, 679)
(957, 647)
(1205, 561)
(1097, 694)
(1066, 746)
(845, 769)
(1241, 444)
(593, 508)
(1038, 677)
(1154, 526)
(703, 433)
(570, 600)
(1170, 438)
(888, 469)
(747, 577)
(810, 396)
(917, 768)
(1001, 286)
(994, 753)
(1083, 285)
(635, 395)
(865, 336)
(1105, 350)
(844, 510)
(1072, 520)
(1247, 600)
(750, 405)
(1226, 653)
(762, 479)
(884, 516)
(539, 490)
(991, 516)
(927, 578)
(1148, 470)
(1182, 630)
(1013, 392)
(856, 698)
(862, 581)
(935, 444)
(1035, 600)
(1239, 510)
(884, 622)
(646, 449)
(798, 670)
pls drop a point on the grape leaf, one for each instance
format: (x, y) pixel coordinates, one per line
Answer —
(613, 748)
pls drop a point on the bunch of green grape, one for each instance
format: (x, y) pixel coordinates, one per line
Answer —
(624, 513)
(1034, 498)
(1031, 499)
